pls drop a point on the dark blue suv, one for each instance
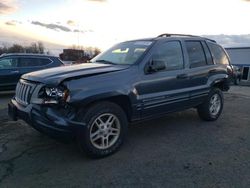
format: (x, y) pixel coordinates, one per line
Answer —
(13, 66)
(132, 81)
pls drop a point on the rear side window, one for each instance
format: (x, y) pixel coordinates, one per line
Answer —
(33, 62)
(208, 54)
(196, 54)
(171, 54)
(218, 53)
(44, 61)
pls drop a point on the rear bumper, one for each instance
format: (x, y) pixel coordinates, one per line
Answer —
(44, 119)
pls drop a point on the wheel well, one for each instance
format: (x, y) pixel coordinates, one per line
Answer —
(222, 85)
(122, 100)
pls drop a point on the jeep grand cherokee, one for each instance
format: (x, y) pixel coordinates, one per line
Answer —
(132, 81)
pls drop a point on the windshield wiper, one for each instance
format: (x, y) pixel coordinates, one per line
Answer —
(105, 61)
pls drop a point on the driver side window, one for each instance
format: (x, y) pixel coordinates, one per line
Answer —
(170, 53)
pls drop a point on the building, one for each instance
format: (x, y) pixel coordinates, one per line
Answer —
(74, 55)
(240, 56)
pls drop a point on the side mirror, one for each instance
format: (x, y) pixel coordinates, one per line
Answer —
(155, 66)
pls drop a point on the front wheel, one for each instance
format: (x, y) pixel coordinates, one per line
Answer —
(212, 107)
(106, 127)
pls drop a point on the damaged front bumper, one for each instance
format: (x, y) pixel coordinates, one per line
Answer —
(45, 119)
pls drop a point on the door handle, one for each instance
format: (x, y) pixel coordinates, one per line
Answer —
(15, 71)
(212, 71)
(182, 76)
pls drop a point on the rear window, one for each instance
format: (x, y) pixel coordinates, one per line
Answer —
(218, 53)
(33, 62)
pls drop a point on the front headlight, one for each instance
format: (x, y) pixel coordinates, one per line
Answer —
(54, 94)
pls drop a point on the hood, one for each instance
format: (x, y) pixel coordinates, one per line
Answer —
(54, 76)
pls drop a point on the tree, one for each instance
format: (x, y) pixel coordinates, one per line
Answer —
(16, 48)
(37, 48)
(96, 52)
(41, 48)
(34, 48)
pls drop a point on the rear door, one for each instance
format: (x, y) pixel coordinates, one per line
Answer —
(166, 90)
(9, 73)
(200, 67)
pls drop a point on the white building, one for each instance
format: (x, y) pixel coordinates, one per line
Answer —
(241, 57)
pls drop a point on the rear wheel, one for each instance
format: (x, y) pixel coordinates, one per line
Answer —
(212, 107)
(105, 131)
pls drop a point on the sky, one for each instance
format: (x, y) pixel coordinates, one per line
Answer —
(102, 23)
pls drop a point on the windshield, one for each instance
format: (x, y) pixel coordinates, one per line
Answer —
(126, 53)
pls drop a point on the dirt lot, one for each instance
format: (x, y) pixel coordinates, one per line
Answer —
(178, 150)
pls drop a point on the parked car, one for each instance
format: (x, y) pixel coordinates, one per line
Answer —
(130, 82)
(237, 75)
(13, 66)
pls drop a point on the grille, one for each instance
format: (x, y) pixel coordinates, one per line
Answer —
(23, 92)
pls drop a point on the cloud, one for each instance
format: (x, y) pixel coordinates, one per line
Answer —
(71, 23)
(77, 31)
(52, 26)
(12, 23)
(82, 31)
(56, 26)
(5, 9)
(231, 40)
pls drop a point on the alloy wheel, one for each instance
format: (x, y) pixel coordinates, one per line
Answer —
(105, 131)
(215, 105)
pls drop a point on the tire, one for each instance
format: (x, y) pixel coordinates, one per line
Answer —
(106, 128)
(211, 108)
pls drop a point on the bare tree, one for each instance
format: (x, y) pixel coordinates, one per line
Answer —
(37, 48)
(16, 48)
(96, 52)
(41, 48)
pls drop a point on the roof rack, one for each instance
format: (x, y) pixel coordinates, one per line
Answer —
(27, 54)
(172, 34)
(182, 35)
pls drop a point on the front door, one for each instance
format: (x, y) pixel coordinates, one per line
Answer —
(166, 90)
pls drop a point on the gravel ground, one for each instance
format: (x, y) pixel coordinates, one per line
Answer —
(178, 150)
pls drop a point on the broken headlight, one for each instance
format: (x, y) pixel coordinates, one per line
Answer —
(54, 94)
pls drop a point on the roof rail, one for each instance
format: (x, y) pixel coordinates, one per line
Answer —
(27, 54)
(174, 34)
(182, 35)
